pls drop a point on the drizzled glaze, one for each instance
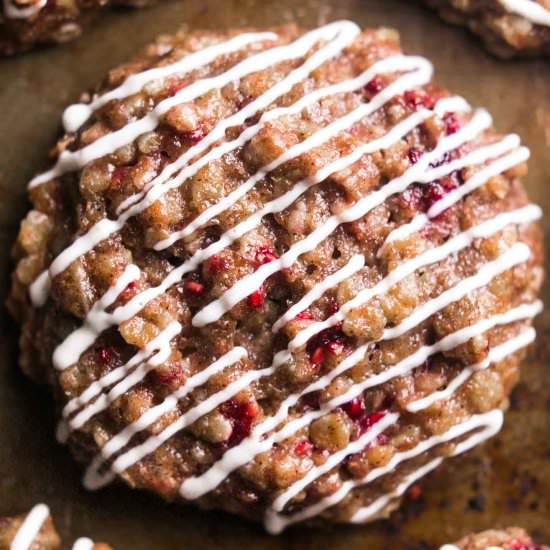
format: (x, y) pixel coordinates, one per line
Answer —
(31, 526)
(412, 72)
(530, 9)
(11, 11)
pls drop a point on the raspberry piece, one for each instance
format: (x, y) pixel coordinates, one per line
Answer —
(415, 100)
(194, 287)
(118, 176)
(264, 255)
(242, 417)
(303, 448)
(452, 124)
(414, 154)
(317, 356)
(256, 299)
(193, 136)
(174, 87)
(129, 291)
(355, 408)
(331, 340)
(216, 264)
(375, 86)
(106, 353)
(367, 422)
(415, 492)
(167, 375)
(305, 315)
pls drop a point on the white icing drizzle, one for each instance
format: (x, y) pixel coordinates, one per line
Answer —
(29, 529)
(496, 354)
(455, 244)
(490, 423)
(479, 156)
(248, 284)
(356, 263)
(479, 179)
(421, 76)
(157, 188)
(487, 424)
(411, 72)
(370, 511)
(70, 161)
(31, 526)
(11, 11)
(101, 322)
(239, 455)
(162, 183)
(76, 115)
(530, 9)
(129, 377)
(152, 415)
(83, 543)
(334, 460)
(96, 319)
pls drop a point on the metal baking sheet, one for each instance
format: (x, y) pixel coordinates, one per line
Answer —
(507, 482)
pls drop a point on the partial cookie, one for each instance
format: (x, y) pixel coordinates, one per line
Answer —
(508, 27)
(36, 531)
(513, 538)
(278, 273)
(27, 23)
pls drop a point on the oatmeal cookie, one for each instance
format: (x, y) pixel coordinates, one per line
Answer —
(507, 27)
(513, 538)
(27, 23)
(279, 273)
(36, 531)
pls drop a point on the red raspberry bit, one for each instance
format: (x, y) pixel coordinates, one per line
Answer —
(216, 264)
(194, 287)
(355, 408)
(264, 255)
(242, 417)
(118, 176)
(516, 544)
(414, 155)
(336, 347)
(129, 291)
(452, 124)
(416, 100)
(375, 86)
(331, 339)
(436, 190)
(415, 492)
(317, 356)
(305, 316)
(168, 375)
(105, 354)
(303, 448)
(193, 136)
(130, 286)
(367, 422)
(256, 299)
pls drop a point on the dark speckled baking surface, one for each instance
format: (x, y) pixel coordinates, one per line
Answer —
(507, 482)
